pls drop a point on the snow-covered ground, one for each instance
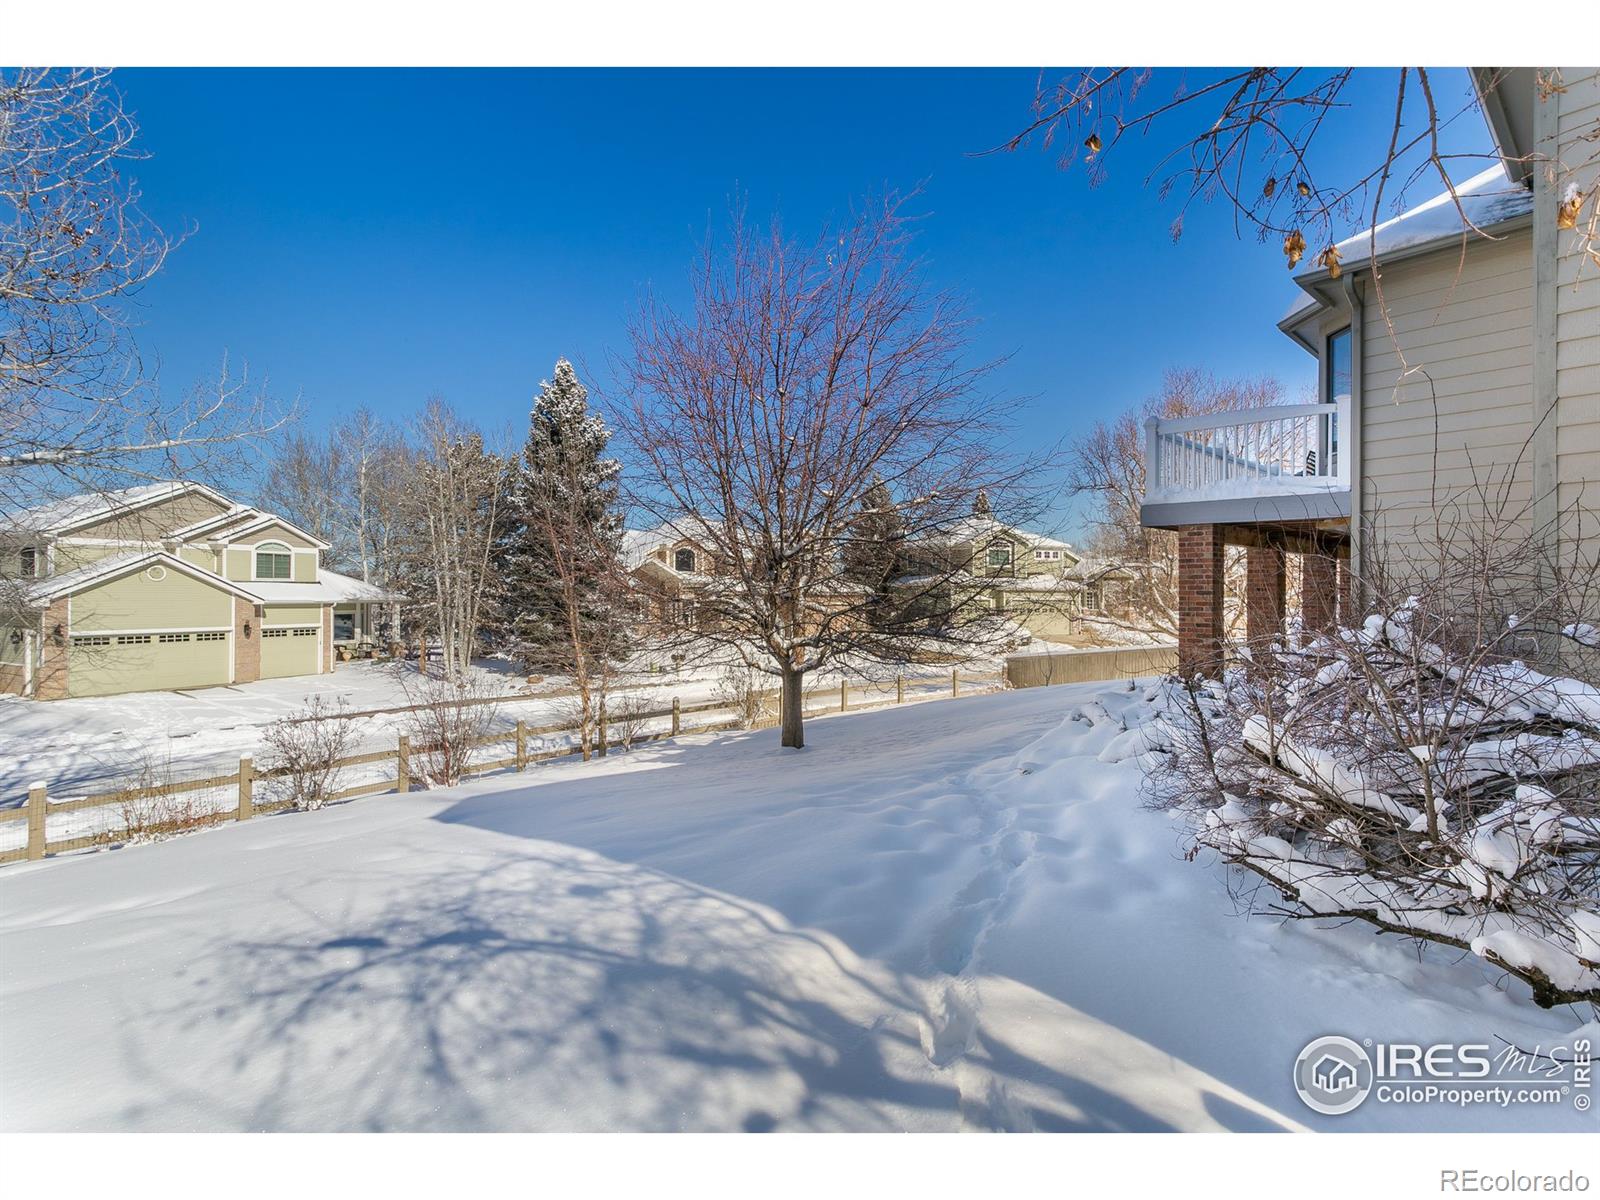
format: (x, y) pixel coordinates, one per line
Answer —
(98, 743)
(944, 916)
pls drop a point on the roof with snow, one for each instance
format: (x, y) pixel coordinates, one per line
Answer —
(978, 526)
(92, 506)
(1485, 202)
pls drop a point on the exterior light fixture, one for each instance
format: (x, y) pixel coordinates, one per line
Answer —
(247, 629)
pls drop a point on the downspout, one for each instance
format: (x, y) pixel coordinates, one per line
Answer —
(1358, 338)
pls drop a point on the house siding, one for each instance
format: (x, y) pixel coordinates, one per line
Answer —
(1462, 338)
(149, 523)
(136, 601)
(1578, 314)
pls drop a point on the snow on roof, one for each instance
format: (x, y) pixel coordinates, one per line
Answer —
(346, 588)
(1489, 198)
(74, 510)
(976, 526)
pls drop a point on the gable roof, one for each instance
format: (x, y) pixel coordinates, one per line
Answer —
(263, 521)
(86, 508)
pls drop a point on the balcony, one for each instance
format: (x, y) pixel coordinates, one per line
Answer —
(1283, 463)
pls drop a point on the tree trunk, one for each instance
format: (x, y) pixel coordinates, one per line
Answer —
(794, 701)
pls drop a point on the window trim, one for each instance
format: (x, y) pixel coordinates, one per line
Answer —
(1004, 548)
(677, 559)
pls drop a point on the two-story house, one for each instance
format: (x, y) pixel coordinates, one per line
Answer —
(170, 586)
(1041, 583)
(1479, 360)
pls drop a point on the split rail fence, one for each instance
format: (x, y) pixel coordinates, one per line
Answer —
(239, 800)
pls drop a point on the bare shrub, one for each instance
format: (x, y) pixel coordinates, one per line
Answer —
(744, 690)
(626, 718)
(1433, 770)
(307, 747)
(451, 718)
(150, 810)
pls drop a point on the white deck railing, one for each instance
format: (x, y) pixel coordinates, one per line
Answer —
(1282, 450)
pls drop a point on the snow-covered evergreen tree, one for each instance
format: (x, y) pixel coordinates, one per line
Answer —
(561, 553)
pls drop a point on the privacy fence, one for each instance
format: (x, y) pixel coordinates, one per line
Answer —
(169, 804)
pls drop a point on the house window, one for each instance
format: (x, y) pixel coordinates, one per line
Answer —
(1091, 597)
(273, 562)
(1047, 556)
(683, 560)
(1338, 366)
(999, 557)
(344, 627)
(28, 562)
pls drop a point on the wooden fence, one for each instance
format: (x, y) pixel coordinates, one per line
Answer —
(1089, 666)
(243, 781)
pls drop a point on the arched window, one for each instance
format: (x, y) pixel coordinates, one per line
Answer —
(683, 560)
(273, 561)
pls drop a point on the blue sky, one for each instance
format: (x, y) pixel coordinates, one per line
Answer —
(376, 236)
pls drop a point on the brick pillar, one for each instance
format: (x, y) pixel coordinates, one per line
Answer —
(1200, 555)
(327, 638)
(1264, 589)
(51, 681)
(246, 650)
(1319, 591)
(1347, 607)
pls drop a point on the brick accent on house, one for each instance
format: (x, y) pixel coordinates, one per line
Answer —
(1200, 566)
(51, 681)
(1319, 592)
(246, 650)
(327, 639)
(1265, 586)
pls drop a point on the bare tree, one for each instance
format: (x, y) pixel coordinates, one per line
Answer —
(77, 408)
(1106, 467)
(454, 516)
(759, 421)
(347, 487)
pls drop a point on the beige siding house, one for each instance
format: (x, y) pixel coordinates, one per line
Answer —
(1455, 357)
(170, 586)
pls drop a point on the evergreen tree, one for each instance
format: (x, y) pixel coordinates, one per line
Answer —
(874, 549)
(561, 552)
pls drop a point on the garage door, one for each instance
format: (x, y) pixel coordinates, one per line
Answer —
(106, 664)
(288, 652)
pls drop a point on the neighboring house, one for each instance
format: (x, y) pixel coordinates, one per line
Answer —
(1041, 583)
(1482, 358)
(166, 586)
(1037, 581)
(672, 570)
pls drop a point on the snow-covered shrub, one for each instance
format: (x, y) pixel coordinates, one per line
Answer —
(1433, 770)
(449, 723)
(301, 752)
